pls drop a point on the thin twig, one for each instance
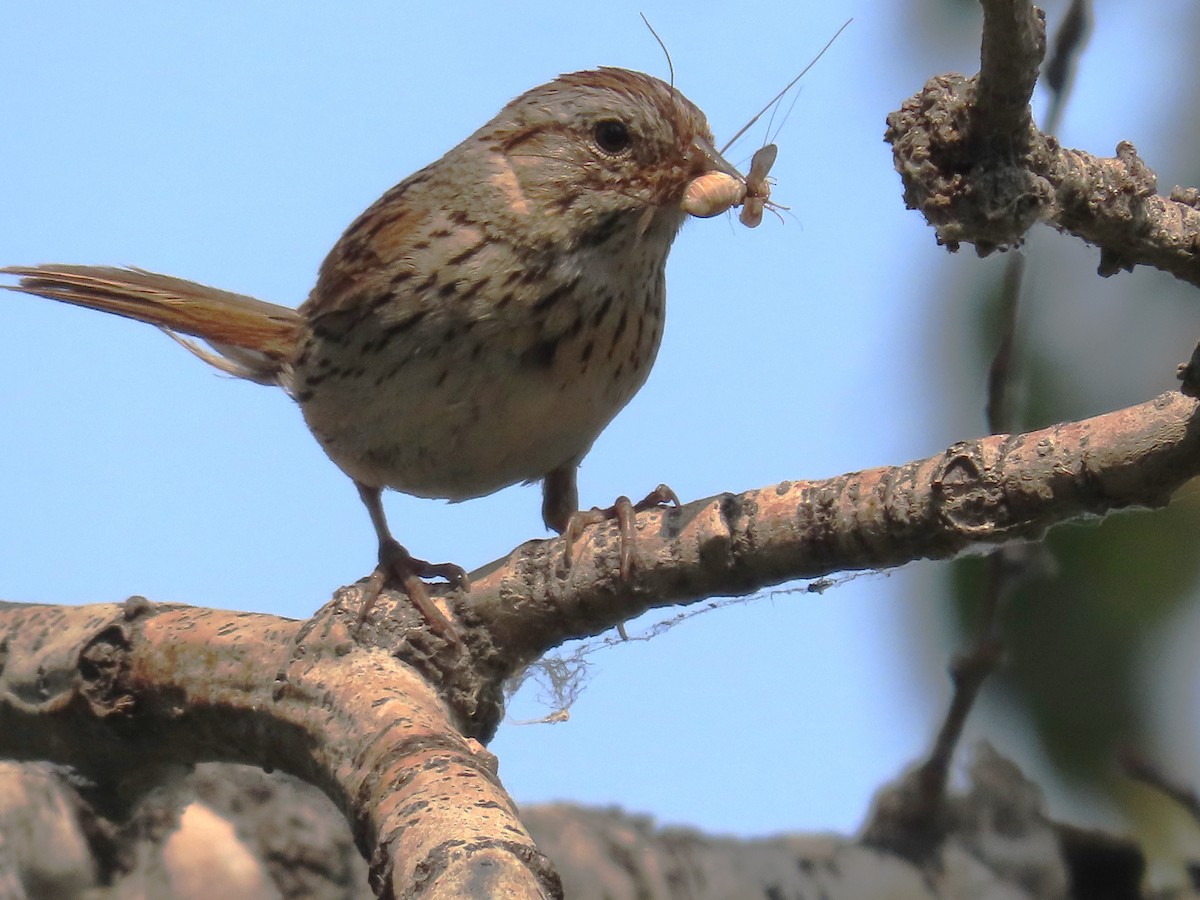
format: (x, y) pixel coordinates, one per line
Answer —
(1059, 70)
(1007, 568)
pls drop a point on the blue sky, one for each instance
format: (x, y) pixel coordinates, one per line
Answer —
(232, 144)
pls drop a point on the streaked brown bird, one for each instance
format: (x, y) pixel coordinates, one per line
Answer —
(484, 320)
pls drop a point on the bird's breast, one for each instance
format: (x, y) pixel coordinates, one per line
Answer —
(480, 392)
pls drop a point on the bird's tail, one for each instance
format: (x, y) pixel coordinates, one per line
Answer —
(249, 338)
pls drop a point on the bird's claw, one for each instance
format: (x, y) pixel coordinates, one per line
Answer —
(625, 512)
(399, 569)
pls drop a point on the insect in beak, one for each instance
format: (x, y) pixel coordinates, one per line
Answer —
(720, 189)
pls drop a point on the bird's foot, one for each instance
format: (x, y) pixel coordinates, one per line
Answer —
(624, 512)
(400, 570)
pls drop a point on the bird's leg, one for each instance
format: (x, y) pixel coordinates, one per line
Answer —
(560, 511)
(560, 497)
(398, 568)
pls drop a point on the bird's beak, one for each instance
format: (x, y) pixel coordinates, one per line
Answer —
(715, 185)
(705, 159)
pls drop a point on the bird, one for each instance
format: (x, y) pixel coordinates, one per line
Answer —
(484, 320)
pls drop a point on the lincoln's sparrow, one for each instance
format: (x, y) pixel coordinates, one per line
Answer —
(484, 320)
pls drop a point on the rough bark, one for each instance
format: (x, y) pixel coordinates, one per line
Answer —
(979, 171)
(386, 717)
(233, 831)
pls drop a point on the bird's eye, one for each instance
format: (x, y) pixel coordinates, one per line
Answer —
(612, 136)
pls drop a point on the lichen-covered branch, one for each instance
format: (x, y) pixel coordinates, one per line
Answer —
(979, 171)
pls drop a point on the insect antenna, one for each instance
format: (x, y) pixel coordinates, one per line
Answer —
(676, 115)
(787, 115)
(779, 96)
(666, 52)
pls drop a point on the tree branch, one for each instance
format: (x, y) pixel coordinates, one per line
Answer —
(979, 171)
(1014, 42)
(384, 716)
(118, 691)
(376, 715)
(112, 665)
(986, 491)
